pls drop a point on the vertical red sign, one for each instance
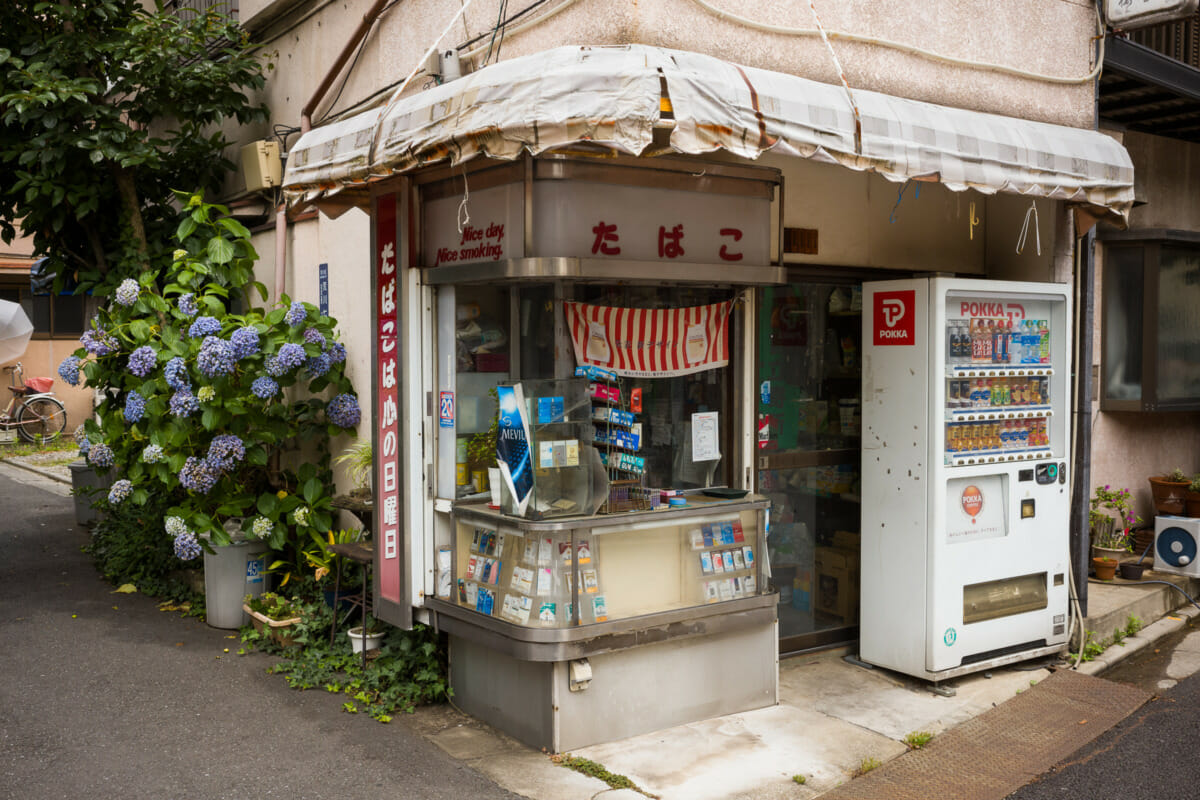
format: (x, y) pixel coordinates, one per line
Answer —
(895, 320)
(387, 422)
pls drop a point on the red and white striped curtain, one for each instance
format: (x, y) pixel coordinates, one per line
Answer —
(650, 342)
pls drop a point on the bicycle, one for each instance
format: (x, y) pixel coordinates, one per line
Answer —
(33, 410)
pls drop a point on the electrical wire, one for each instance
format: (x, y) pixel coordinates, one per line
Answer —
(911, 49)
(509, 31)
(362, 45)
(507, 21)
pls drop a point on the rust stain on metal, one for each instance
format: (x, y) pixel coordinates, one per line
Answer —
(764, 141)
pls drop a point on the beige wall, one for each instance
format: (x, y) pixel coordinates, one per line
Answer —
(42, 358)
(1129, 447)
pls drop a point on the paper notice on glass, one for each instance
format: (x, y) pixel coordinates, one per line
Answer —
(705, 436)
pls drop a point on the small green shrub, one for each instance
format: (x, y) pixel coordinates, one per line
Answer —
(800, 779)
(128, 546)
(1132, 626)
(867, 765)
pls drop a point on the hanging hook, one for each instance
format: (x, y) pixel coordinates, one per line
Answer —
(972, 220)
(1032, 212)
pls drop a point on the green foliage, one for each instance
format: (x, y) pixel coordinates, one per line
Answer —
(867, 765)
(1133, 625)
(1110, 516)
(106, 106)
(917, 739)
(1178, 476)
(800, 779)
(1091, 647)
(593, 769)
(273, 606)
(285, 507)
(408, 670)
(128, 546)
(359, 460)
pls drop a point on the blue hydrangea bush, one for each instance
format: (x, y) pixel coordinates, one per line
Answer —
(207, 398)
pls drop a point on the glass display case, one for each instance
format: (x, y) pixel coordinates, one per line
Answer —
(588, 570)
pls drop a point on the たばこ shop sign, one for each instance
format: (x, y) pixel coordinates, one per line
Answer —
(895, 318)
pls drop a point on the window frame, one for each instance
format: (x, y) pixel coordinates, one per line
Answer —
(1151, 242)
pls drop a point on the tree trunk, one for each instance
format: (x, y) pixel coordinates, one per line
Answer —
(129, 199)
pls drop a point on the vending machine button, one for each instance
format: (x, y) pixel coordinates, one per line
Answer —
(1062, 472)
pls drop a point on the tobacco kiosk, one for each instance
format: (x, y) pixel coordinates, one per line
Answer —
(581, 328)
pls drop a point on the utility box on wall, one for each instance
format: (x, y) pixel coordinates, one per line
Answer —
(261, 166)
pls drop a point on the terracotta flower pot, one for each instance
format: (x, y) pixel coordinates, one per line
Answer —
(1105, 568)
(1191, 503)
(1169, 496)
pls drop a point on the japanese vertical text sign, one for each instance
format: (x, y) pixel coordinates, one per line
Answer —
(387, 462)
(895, 318)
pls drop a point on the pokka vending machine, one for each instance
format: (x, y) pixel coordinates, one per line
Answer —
(965, 491)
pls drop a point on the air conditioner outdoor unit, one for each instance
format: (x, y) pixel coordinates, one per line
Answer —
(1176, 545)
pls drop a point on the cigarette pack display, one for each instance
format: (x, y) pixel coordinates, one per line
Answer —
(584, 551)
(696, 536)
(546, 614)
(735, 587)
(711, 593)
(545, 550)
(595, 373)
(726, 532)
(564, 553)
(531, 548)
(462, 591)
(750, 585)
(708, 535)
(599, 608)
(725, 587)
(475, 539)
(739, 535)
(739, 561)
(590, 583)
(522, 580)
(545, 581)
(706, 563)
(471, 596)
(614, 416)
(549, 409)
(718, 562)
(605, 394)
(473, 567)
(445, 579)
(748, 554)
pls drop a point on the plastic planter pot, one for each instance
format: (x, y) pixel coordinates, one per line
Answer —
(85, 479)
(359, 642)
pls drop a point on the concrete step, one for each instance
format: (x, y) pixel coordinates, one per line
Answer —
(1111, 603)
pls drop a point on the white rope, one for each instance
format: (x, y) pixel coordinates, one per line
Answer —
(400, 89)
(1032, 212)
(845, 85)
(464, 215)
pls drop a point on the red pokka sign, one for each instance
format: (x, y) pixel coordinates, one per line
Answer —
(895, 318)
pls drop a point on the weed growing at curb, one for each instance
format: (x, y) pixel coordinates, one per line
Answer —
(917, 739)
(866, 766)
(598, 771)
(800, 779)
(1132, 626)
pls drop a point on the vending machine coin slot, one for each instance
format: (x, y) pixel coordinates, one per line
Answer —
(1046, 473)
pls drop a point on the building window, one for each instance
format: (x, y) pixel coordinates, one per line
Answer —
(1150, 340)
(53, 316)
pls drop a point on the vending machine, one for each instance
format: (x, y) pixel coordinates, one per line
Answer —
(965, 491)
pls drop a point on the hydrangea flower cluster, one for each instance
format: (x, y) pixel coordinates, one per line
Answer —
(68, 370)
(274, 367)
(264, 388)
(216, 356)
(183, 403)
(175, 526)
(100, 455)
(187, 305)
(337, 353)
(245, 342)
(343, 411)
(296, 314)
(262, 528)
(317, 365)
(99, 342)
(152, 454)
(176, 374)
(81, 439)
(186, 546)
(206, 394)
(225, 452)
(314, 336)
(119, 491)
(290, 356)
(127, 292)
(142, 361)
(204, 326)
(135, 407)
(198, 475)
(301, 515)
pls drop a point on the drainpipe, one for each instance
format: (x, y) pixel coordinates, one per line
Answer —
(360, 33)
(1082, 478)
(280, 250)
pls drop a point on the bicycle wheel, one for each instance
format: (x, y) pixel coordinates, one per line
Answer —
(41, 420)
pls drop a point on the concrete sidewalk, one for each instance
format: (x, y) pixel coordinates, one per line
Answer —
(832, 716)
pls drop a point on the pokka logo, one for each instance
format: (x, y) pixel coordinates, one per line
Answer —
(895, 318)
(972, 501)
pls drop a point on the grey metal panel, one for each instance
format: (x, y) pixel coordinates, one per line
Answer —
(514, 696)
(542, 269)
(560, 644)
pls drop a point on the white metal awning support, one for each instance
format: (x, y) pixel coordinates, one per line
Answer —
(611, 96)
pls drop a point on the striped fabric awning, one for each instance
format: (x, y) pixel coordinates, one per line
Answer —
(613, 97)
(650, 342)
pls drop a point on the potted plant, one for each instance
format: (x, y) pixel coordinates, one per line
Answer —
(481, 449)
(368, 637)
(1191, 499)
(327, 564)
(273, 615)
(1110, 518)
(1170, 492)
(359, 460)
(1105, 568)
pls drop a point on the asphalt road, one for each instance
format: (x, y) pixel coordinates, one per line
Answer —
(105, 696)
